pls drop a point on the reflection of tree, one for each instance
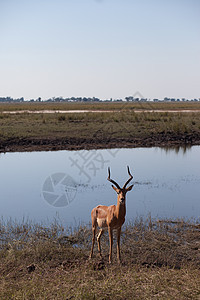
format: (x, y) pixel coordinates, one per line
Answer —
(177, 149)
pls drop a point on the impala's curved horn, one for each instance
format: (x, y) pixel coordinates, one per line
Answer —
(131, 177)
(111, 180)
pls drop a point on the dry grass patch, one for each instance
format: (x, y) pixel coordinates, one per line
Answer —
(160, 259)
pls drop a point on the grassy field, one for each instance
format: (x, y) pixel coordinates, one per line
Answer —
(122, 128)
(160, 260)
(99, 106)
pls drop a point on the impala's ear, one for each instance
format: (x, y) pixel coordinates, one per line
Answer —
(114, 188)
(130, 188)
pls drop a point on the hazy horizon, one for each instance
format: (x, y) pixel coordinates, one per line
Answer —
(100, 48)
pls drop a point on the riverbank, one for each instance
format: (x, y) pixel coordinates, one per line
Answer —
(75, 131)
(160, 259)
(118, 126)
(55, 144)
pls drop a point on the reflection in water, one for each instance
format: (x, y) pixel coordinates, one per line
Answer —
(39, 185)
(177, 149)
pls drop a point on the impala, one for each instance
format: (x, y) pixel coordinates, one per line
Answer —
(111, 217)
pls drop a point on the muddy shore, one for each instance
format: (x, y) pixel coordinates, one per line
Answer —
(55, 144)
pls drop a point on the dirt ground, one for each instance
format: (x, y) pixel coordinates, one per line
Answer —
(53, 144)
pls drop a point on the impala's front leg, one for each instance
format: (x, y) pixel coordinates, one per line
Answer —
(118, 244)
(98, 241)
(111, 243)
(93, 240)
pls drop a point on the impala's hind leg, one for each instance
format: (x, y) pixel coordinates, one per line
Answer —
(93, 239)
(98, 240)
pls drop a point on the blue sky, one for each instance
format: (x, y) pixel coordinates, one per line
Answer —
(101, 48)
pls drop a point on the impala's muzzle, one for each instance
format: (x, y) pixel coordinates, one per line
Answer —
(122, 200)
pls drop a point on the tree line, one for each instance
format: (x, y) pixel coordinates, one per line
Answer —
(93, 99)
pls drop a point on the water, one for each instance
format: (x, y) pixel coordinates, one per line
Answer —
(42, 186)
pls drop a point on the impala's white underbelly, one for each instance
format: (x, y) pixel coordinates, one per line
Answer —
(101, 223)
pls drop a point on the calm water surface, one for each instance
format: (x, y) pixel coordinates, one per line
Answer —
(42, 186)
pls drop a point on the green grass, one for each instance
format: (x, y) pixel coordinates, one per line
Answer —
(93, 125)
(160, 259)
